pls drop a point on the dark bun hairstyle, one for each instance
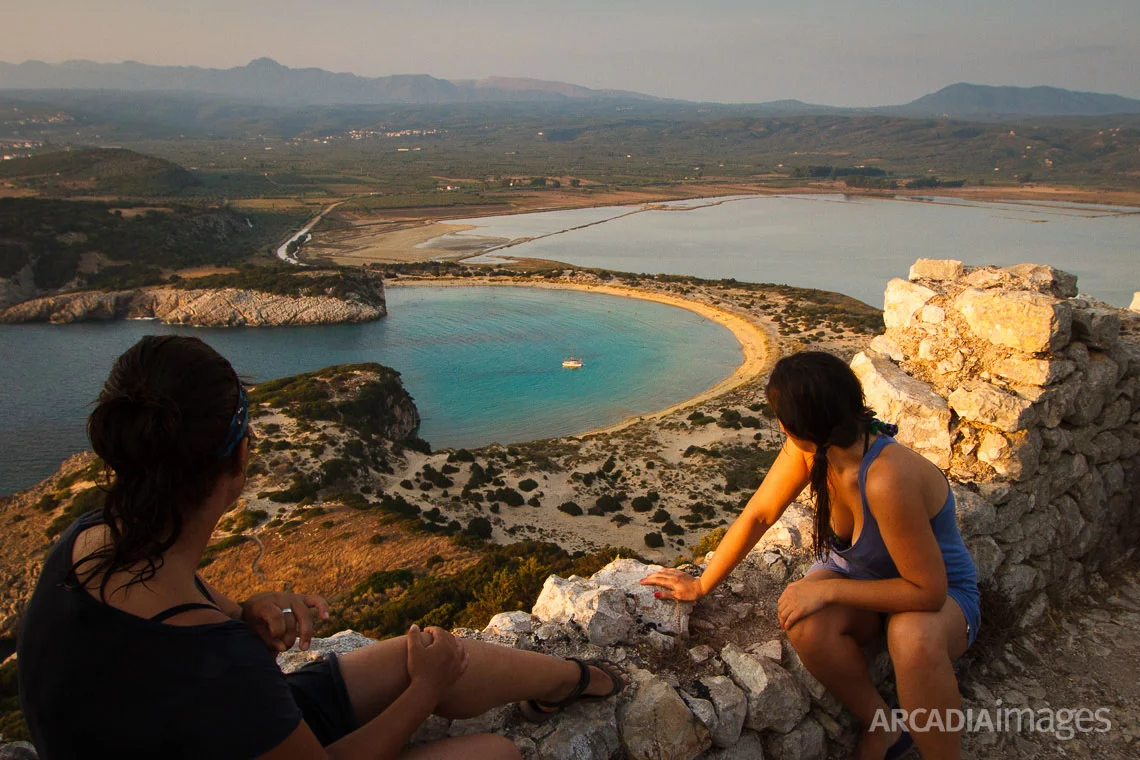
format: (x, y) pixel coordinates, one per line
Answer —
(817, 398)
(160, 426)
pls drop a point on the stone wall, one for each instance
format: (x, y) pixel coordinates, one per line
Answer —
(1026, 394)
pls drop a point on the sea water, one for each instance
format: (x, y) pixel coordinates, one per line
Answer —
(483, 364)
(849, 244)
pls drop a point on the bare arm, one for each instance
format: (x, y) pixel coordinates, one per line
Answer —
(785, 480)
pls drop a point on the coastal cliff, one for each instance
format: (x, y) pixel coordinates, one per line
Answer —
(360, 298)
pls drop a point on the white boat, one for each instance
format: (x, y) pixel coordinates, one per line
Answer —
(571, 362)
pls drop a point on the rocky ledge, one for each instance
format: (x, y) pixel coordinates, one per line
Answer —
(213, 307)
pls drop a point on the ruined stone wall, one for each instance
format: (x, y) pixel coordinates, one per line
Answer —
(1027, 396)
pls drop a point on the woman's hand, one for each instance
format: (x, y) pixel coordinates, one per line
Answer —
(676, 584)
(266, 614)
(800, 599)
(435, 658)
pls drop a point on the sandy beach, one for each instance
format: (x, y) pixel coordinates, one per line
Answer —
(758, 346)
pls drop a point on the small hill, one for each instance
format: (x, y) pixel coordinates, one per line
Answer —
(984, 103)
(98, 171)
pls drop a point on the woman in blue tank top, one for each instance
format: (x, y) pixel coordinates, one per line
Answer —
(888, 545)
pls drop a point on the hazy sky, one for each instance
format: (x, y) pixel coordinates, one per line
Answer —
(839, 52)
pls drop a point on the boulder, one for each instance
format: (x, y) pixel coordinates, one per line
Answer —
(1026, 370)
(731, 708)
(902, 301)
(339, 643)
(804, 742)
(511, 623)
(1096, 326)
(1046, 279)
(750, 747)
(984, 403)
(657, 725)
(586, 731)
(816, 690)
(1099, 381)
(976, 515)
(936, 269)
(625, 575)
(1022, 320)
(922, 415)
(987, 556)
(1015, 584)
(599, 611)
(775, 699)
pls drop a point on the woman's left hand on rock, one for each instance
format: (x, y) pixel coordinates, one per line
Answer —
(265, 613)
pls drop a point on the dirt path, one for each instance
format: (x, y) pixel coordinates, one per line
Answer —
(1087, 656)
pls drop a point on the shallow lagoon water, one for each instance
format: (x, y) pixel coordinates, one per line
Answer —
(483, 364)
(849, 244)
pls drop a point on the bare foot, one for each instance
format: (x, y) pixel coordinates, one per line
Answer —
(874, 744)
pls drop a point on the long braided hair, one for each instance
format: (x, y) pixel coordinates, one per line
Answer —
(817, 398)
(164, 426)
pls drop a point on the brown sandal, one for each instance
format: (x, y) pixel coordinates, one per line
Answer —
(537, 711)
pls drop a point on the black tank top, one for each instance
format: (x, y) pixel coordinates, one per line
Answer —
(99, 682)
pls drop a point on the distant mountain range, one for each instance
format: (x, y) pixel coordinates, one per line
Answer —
(269, 83)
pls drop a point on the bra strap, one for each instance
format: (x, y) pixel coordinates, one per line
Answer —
(178, 609)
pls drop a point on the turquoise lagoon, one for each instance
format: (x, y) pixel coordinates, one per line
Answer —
(483, 364)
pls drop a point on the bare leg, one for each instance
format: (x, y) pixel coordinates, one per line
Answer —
(923, 646)
(496, 675)
(830, 644)
(488, 746)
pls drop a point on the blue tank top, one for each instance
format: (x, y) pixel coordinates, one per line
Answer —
(868, 558)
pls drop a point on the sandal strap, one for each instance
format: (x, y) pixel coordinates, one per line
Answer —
(575, 693)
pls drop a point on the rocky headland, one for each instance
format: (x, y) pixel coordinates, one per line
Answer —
(1024, 393)
(359, 298)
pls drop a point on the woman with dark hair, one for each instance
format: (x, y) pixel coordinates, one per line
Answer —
(888, 546)
(125, 651)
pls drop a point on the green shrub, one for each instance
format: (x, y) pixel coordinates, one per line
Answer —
(382, 580)
(660, 516)
(641, 504)
(654, 540)
(480, 527)
(570, 508)
(528, 485)
(672, 529)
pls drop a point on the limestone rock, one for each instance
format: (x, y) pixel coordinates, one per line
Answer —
(816, 690)
(1097, 327)
(1099, 381)
(1023, 370)
(976, 515)
(775, 699)
(1016, 583)
(750, 747)
(1022, 320)
(657, 725)
(804, 742)
(731, 709)
(1135, 305)
(586, 731)
(625, 575)
(1014, 455)
(987, 556)
(936, 269)
(1046, 279)
(18, 751)
(902, 301)
(511, 623)
(922, 415)
(881, 344)
(339, 643)
(599, 611)
(981, 402)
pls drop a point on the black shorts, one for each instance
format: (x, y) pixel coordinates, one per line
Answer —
(319, 690)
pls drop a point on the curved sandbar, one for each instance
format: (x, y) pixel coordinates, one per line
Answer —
(760, 348)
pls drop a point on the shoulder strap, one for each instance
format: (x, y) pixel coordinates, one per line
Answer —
(178, 609)
(873, 454)
(202, 588)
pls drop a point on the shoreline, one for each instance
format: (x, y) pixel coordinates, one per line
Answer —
(759, 348)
